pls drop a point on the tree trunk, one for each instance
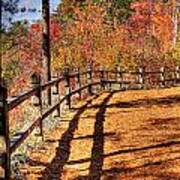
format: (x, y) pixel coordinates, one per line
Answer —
(46, 47)
(1, 43)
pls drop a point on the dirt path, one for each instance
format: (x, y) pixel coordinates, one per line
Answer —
(122, 135)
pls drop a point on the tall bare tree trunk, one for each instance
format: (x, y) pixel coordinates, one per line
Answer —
(0, 43)
(46, 46)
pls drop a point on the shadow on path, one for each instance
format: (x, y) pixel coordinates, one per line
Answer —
(141, 174)
(55, 168)
(131, 150)
(96, 166)
(169, 100)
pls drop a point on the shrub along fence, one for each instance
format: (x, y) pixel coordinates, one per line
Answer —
(74, 83)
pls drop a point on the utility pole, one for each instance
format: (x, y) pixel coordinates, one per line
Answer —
(46, 46)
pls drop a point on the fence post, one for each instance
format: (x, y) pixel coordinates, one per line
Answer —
(36, 83)
(89, 79)
(177, 75)
(79, 81)
(119, 76)
(4, 122)
(141, 77)
(57, 92)
(102, 76)
(162, 77)
(56, 87)
(67, 86)
(108, 75)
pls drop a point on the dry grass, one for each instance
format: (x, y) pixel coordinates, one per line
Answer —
(122, 135)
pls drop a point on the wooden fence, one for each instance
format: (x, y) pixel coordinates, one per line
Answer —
(89, 80)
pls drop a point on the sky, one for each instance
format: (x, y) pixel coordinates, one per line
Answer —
(33, 16)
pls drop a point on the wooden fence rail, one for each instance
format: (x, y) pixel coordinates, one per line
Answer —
(101, 77)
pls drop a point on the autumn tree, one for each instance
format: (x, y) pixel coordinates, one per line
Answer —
(8, 9)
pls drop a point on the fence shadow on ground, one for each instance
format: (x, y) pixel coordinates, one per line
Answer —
(130, 150)
(97, 152)
(163, 101)
(97, 173)
(139, 172)
(55, 168)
